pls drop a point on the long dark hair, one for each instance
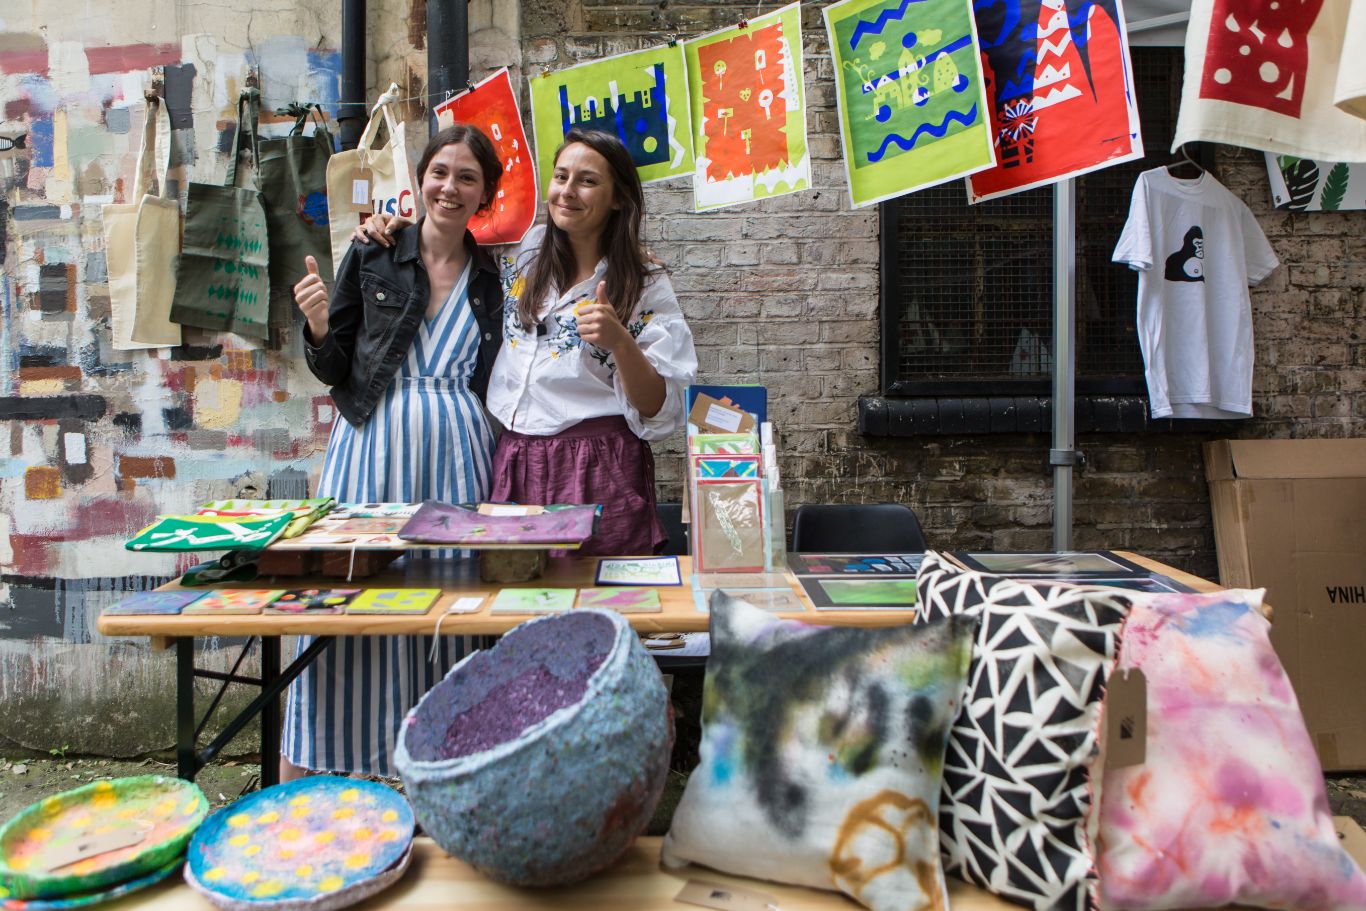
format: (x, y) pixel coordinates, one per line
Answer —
(627, 267)
(479, 145)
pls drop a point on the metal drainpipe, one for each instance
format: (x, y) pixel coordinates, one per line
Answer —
(352, 117)
(448, 50)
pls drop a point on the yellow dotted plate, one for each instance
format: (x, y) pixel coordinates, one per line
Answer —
(303, 841)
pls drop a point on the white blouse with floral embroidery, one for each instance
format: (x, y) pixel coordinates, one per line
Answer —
(549, 379)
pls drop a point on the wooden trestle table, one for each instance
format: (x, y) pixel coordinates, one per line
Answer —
(455, 579)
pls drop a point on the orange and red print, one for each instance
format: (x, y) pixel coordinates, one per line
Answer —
(492, 107)
(749, 116)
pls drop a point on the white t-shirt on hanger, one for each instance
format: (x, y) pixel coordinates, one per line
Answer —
(1197, 248)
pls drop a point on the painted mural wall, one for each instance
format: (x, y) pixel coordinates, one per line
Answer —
(94, 442)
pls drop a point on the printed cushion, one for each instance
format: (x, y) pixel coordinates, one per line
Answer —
(1016, 814)
(1229, 803)
(821, 755)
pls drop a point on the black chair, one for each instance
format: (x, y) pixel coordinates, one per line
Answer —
(846, 528)
(671, 517)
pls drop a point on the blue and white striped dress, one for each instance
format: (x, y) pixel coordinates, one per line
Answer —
(428, 438)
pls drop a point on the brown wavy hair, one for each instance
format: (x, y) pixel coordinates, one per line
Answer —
(479, 145)
(627, 266)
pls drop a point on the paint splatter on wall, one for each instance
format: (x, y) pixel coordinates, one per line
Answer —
(95, 442)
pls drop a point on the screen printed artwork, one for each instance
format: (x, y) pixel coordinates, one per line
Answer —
(640, 97)
(912, 105)
(748, 111)
(446, 523)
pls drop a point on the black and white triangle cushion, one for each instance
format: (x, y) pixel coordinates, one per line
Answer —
(1020, 775)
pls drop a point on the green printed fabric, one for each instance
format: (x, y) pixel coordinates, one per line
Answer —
(184, 533)
(222, 279)
(303, 512)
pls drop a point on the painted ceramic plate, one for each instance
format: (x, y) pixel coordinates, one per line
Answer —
(142, 823)
(309, 843)
(85, 899)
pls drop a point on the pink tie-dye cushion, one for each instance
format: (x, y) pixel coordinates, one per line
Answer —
(1229, 805)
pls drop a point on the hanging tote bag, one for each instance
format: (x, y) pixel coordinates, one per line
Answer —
(222, 281)
(388, 175)
(141, 241)
(293, 182)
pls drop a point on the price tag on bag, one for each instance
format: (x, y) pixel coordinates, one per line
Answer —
(1126, 719)
(361, 182)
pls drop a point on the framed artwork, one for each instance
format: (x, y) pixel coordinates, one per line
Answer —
(1082, 563)
(729, 531)
(842, 593)
(639, 571)
(854, 564)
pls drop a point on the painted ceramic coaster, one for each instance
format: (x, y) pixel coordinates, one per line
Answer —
(98, 835)
(98, 897)
(319, 842)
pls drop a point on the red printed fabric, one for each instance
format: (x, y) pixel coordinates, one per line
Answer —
(1258, 53)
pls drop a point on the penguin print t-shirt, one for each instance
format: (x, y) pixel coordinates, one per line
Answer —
(1197, 248)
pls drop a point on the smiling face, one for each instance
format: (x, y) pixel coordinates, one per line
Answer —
(453, 187)
(581, 196)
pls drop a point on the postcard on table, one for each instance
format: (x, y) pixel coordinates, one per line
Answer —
(233, 601)
(533, 601)
(639, 571)
(622, 600)
(313, 601)
(394, 601)
(374, 510)
(152, 603)
(843, 593)
(1098, 563)
(855, 564)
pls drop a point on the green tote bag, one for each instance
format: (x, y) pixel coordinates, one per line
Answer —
(293, 182)
(222, 279)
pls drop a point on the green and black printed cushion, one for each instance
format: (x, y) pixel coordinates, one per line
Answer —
(1019, 809)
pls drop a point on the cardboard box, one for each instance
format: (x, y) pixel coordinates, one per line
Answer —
(1290, 516)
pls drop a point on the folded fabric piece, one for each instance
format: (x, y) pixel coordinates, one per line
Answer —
(139, 603)
(184, 533)
(1017, 815)
(822, 749)
(464, 525)
(304, 512)
(1228, 806)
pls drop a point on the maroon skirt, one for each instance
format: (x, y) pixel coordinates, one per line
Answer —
(596, 461)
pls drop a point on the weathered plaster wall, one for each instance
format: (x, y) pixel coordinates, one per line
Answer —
(95, 442)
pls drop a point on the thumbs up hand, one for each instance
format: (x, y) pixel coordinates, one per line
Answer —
(311, 296)
(598, 323)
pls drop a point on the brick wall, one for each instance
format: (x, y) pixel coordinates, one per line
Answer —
(785, 293)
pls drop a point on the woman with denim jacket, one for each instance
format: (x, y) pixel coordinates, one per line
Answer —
(407, 341)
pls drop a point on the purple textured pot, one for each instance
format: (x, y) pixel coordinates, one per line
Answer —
(539, 761)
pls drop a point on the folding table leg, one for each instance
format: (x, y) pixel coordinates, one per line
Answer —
(270, 712)
(186, 761)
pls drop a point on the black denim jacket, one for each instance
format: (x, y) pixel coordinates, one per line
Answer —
(379, 301)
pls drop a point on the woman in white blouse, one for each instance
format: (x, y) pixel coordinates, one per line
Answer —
(596, 353)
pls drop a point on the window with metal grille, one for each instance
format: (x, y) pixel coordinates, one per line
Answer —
(968, 290)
